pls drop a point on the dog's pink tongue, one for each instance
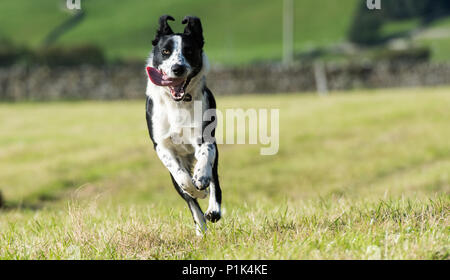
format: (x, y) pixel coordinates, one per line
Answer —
(155, 76)
(161, 80)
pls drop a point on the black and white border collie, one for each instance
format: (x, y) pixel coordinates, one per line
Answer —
(176, 72)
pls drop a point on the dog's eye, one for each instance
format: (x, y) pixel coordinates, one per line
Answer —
(165, 52)
(187, 51)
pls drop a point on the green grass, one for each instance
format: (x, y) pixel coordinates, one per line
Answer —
(395, 27)
(439, 48)
(359, 175)
(235, 31)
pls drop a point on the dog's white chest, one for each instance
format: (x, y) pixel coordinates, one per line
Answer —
(176, 127)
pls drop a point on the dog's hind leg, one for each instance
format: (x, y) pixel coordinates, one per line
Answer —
(196, 211)
(213, 213)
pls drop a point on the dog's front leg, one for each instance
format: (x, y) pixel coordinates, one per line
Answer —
(179, 172)
(205, 174)
(205, 155)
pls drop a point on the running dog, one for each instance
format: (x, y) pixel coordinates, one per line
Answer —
(176, 86)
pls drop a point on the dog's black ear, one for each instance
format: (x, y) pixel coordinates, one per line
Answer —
(164, 28)
(194, 29)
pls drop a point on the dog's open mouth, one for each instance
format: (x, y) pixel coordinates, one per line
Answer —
(177, 86)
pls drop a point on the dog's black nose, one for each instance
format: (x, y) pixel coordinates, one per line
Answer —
(178, 69)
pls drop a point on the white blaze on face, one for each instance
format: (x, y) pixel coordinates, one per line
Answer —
(176, 57)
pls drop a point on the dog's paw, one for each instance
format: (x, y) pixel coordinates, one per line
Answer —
(212, 215)
(202, 177)
(198, 194)
(188, 187)
(194, 193)
(201, 183)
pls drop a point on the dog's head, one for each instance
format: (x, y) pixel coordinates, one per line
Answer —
(176, 58)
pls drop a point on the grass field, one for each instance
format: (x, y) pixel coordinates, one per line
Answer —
(235, 31)
(359, 175)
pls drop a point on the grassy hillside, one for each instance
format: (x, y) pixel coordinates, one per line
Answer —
(358, 175)
(236, 31)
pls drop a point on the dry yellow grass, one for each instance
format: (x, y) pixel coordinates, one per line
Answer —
(358, 176)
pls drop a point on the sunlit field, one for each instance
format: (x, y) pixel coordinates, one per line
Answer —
(358, 175)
